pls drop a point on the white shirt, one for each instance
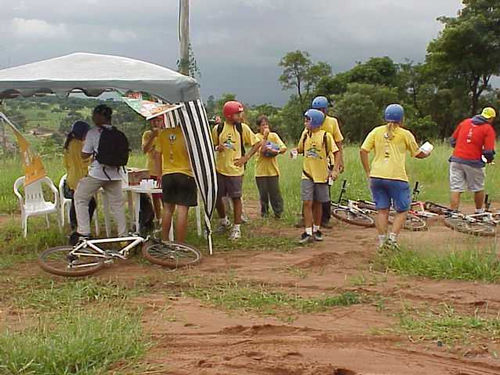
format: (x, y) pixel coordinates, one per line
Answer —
(97, 169)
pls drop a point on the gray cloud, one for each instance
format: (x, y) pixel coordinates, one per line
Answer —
(237, 43)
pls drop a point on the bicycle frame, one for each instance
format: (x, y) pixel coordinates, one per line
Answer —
(93, 244)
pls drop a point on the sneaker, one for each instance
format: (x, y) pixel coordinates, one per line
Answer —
(76, 238)
(235, 235)
(390, 245)
(318, 236)
(306, 239)
(222, 228)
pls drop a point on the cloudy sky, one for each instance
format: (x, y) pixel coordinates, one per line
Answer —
(237, 43)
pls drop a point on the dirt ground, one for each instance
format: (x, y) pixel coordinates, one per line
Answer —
(192, 337)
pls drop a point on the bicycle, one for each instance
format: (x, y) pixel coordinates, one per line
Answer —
(87, 257)
(483, 224)
(350, 211)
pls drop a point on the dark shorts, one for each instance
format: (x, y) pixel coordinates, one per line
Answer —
(229, 186)
(387, 191)
(179, 189)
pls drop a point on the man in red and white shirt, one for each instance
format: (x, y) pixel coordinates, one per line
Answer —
(474, 143)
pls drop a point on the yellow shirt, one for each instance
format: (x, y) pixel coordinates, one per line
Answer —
(268, 166)
(390, 155)
(172, 146)
(151, 161)
(230, 138)
(316, 155)
(331, 125)
(76, 167)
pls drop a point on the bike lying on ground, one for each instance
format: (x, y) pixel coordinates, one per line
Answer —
(87, 257)
(363, 213)
(483, 224)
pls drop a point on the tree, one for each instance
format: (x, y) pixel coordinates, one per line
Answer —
(226, 97)
(296, 67)
(210, 106)
(467, 51)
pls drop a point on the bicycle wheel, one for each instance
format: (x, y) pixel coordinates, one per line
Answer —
(58, 261)
(171, 254)
(476, 228)
(415, 223)
(353, 217)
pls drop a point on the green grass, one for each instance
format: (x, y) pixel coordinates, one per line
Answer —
(74, 342)
(475, 263)
(447, 327)
(234, 295)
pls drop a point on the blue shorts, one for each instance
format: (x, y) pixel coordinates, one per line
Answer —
(386, 192)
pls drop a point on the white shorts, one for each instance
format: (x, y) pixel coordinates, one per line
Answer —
(464, 177)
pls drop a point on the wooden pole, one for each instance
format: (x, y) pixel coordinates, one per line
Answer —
(184, 36)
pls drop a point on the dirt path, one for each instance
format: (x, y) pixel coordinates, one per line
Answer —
(191, 337)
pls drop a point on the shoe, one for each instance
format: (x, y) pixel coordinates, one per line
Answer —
(318, 236)
(306, 239)
(327, 225)
(222, 228)
(235, 235)
(389, 245)
(75, 238)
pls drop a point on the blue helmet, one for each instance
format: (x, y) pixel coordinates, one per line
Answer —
(320, 102)
(316, 117)
(394, 113)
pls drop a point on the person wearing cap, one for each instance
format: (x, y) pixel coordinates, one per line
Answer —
(387, 174)
(331, 125)
(76, 167)
(99, 176)
(318, 148)
(230, 139)
(474, 146)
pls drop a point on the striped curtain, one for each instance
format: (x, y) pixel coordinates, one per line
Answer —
(193, 120)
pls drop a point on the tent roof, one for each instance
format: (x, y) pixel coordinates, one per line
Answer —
(94, 74)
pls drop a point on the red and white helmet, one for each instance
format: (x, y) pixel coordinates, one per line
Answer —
(232, 108)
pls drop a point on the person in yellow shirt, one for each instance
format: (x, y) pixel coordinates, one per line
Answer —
(177, 182)
(387, 174)
(76, 167)
(266, 168)
(330, 125)
(152, 163)
(230, 139)
(319, 150)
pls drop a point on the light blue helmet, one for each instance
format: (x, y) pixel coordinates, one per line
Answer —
(394, 113)
(316, 117)
(320, 102)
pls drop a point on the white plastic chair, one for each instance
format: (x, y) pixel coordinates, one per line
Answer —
(34, 204)
(66, 206)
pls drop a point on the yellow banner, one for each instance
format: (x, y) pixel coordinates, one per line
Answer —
(32, 163)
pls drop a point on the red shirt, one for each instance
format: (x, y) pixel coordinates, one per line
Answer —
(472, 140)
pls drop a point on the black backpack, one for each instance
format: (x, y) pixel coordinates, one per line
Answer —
(239, 129)
(113, 149)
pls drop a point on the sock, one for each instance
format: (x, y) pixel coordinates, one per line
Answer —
(381, 239)
(316, 228)
(309, 231)
(479, 210)
(393, 237)
(237, 227)
(224, 221)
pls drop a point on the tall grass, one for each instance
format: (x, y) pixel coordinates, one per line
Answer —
(74, 342)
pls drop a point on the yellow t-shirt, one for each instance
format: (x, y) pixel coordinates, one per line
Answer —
(172, 146)
(331, 125)
(390, 155)
(151, 161)
(76, 167)
(230, 138)
(268, 166)
(316, 157)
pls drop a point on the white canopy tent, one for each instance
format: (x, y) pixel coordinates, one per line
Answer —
(94, 74)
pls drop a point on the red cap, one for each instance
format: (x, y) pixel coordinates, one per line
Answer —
(231, 108)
